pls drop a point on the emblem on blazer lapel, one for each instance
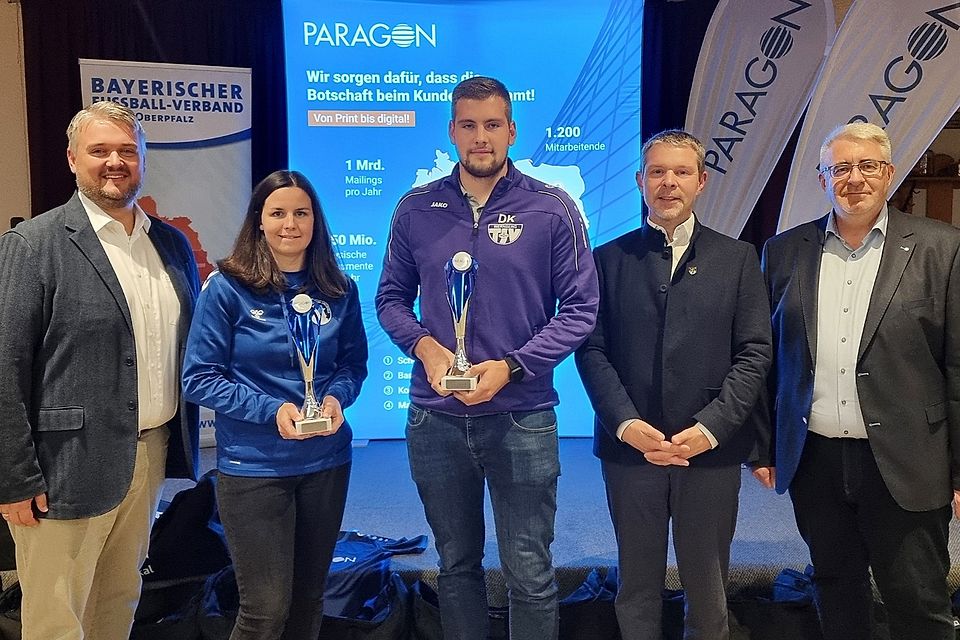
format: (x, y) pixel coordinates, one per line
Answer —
(692, 269)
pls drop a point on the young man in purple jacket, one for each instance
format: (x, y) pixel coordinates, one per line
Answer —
(533, 301)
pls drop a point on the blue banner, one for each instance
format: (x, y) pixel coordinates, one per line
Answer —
(369, 84)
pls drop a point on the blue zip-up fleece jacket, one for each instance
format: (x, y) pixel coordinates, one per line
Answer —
(536, 292)
(241, 363)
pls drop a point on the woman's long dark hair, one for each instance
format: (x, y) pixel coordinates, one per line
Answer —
(251, 261)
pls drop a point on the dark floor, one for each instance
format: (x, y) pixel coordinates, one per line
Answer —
(383, 500)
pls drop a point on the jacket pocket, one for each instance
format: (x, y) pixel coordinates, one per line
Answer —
(920, 303)
(936, 412)
(60, 419)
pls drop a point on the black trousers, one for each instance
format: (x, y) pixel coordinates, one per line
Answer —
(281, 533)
(852, 525)
(700, 504)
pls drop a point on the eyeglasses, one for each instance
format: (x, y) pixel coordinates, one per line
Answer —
(868, 168)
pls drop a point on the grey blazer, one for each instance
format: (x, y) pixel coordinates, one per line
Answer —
(908, 367)
(68, 380)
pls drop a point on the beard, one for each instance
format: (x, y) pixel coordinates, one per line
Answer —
(113, 199)
(483, 170)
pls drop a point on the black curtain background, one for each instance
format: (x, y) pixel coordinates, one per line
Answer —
(230, 33)
(673, 31)
(249, 33)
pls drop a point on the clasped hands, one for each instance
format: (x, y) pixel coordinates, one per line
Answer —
(655, 447)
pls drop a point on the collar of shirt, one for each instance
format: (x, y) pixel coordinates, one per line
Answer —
(100, 218)
(475, 205)
(681, 235)
(876, 234)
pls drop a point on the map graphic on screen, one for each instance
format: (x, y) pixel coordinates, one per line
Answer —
(368, 98)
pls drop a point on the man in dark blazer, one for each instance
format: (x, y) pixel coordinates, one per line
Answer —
(866, 394)
(673, 370)
(95, 303)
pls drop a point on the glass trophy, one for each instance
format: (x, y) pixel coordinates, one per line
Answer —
(461, 272)
(304, 326)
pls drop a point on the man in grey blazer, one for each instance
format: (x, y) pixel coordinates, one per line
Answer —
(673, 368)
(95, 302)
(866, 394)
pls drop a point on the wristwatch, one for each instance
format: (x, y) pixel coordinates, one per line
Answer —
(516, 371)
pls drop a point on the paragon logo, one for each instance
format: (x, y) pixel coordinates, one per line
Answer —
(759, 74)
(903, 74)
(340, 34)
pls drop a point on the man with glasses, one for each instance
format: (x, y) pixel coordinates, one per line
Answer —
(866, 327)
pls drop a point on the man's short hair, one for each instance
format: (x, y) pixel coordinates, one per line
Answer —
(862, 131)
(675, 138)
(480, 88)
(112, 112)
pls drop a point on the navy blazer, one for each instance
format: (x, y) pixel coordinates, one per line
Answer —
(68, 376)
(908, 365)
(675, 351)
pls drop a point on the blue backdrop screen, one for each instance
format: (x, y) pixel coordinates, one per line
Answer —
(369, 85)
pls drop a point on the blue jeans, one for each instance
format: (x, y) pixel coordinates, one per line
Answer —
(517, 455)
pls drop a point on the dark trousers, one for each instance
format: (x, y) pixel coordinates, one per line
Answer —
(701, 503)
(281, 533)
(851, 524)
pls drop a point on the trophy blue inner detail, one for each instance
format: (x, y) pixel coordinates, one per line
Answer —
(305, 330)
(460, 286)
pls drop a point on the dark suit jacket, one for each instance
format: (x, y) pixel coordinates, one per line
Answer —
(68, 376)
(677, 351)
(908, 368)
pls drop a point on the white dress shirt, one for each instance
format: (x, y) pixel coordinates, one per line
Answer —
(847, 276)
(154, 311)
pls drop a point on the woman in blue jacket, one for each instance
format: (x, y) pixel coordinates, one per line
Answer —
(281, 494)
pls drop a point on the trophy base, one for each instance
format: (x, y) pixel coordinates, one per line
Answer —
(458, 383)
(313, 425)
